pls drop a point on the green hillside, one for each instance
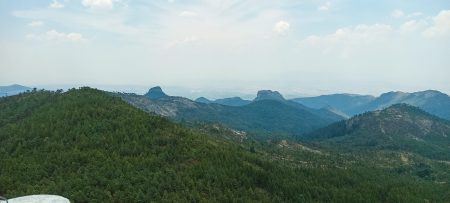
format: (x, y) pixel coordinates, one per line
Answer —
(90, 146)
(260, 117)
(399, 127)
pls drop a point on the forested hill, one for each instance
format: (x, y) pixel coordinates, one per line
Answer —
(398, 127)
(270, 115)
(92, 147)
(89, 146)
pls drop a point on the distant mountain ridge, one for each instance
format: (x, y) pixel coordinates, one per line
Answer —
(269, 113)
(203, 100)
(13, 90)
(347, 103)
(237, 101)
(231, 101)
(432, 101)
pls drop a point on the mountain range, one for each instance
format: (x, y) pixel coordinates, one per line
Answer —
(431, 101)
(231, 101)
(268, 113)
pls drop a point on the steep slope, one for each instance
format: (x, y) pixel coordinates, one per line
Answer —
(266, 116)
(347, 103)
(325, 113)
(90, 146)
(399, 127)
(155, 93)
(13, 90)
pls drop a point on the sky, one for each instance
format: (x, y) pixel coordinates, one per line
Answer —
(220, 48)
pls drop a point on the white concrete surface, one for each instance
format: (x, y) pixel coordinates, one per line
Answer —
(38, 199)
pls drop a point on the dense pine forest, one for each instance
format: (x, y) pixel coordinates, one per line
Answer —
(90, 146)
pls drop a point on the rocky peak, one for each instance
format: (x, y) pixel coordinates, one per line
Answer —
(269, 95)
(155, 93)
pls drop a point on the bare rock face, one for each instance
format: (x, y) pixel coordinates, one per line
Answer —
(269, 95)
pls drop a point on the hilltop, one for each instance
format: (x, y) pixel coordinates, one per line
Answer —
(398, 127)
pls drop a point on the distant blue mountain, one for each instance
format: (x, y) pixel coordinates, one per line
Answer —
(13, 90)
(269, 95)
(155, 93)
(231, 101)
(346, 103)
(203, 100)
(431, 101)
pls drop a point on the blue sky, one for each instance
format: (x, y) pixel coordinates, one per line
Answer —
(219, 48)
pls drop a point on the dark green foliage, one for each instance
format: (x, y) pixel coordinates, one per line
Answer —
(92, 147)
(399, 127)
(259, 117)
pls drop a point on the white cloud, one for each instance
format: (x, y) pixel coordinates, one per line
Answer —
(36, 23)
(412, 26)
(281, 27)
(440, 26)
(98, 4)
(398, 14)
(53, 35)
(344, 42)
(55, 4)
(188, 14)
(325, 7)
(359, 33)
(74, 36)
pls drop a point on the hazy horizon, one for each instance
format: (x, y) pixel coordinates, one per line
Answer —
(194, 93)
(228, 48)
